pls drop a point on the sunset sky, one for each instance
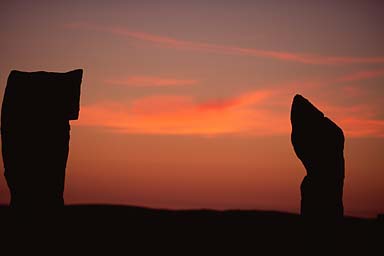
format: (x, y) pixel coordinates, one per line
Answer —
(185, 104)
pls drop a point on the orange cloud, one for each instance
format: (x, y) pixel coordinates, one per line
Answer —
(183, 44)
(247, 99)
(170, 114)
(155, 104)
(150, 81)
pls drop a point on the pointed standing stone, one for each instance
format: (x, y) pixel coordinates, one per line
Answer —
(319, 143)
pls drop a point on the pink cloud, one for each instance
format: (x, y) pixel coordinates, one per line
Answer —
(151, 81)
(362, 127)
(224, 49)
(361, 75)
(359, 120)
(353, 91)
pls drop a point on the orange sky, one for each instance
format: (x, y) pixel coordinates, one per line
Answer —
(185, 104)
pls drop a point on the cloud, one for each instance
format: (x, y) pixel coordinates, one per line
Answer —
(151, 81)
(158, 104)
(361, 75)
(225, 49)
(358, 120)
(246, 99)
(363, 127)
(254, 113)
(182, 115)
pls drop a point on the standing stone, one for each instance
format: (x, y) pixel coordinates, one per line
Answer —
(35, 131)
(319, 143)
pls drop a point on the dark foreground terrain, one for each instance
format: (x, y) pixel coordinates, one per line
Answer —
(127, 227)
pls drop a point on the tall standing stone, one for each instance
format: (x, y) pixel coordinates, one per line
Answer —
(35, 131)
(319, 144)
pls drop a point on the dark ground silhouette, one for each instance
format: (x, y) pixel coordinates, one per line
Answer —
(35, 131)
(127, 229)
(319, 144)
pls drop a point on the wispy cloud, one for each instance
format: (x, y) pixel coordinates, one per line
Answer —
(151, 81)
(225, 49)
(363, 127)
(362, 75)
(356, 120)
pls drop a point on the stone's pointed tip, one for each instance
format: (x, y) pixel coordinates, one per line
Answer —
(298, 97)
(303, 111)
(299, 103)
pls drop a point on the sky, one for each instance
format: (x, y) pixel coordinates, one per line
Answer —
(185, 104)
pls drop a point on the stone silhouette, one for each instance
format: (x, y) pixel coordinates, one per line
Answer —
(319, 144)
(35, 131)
